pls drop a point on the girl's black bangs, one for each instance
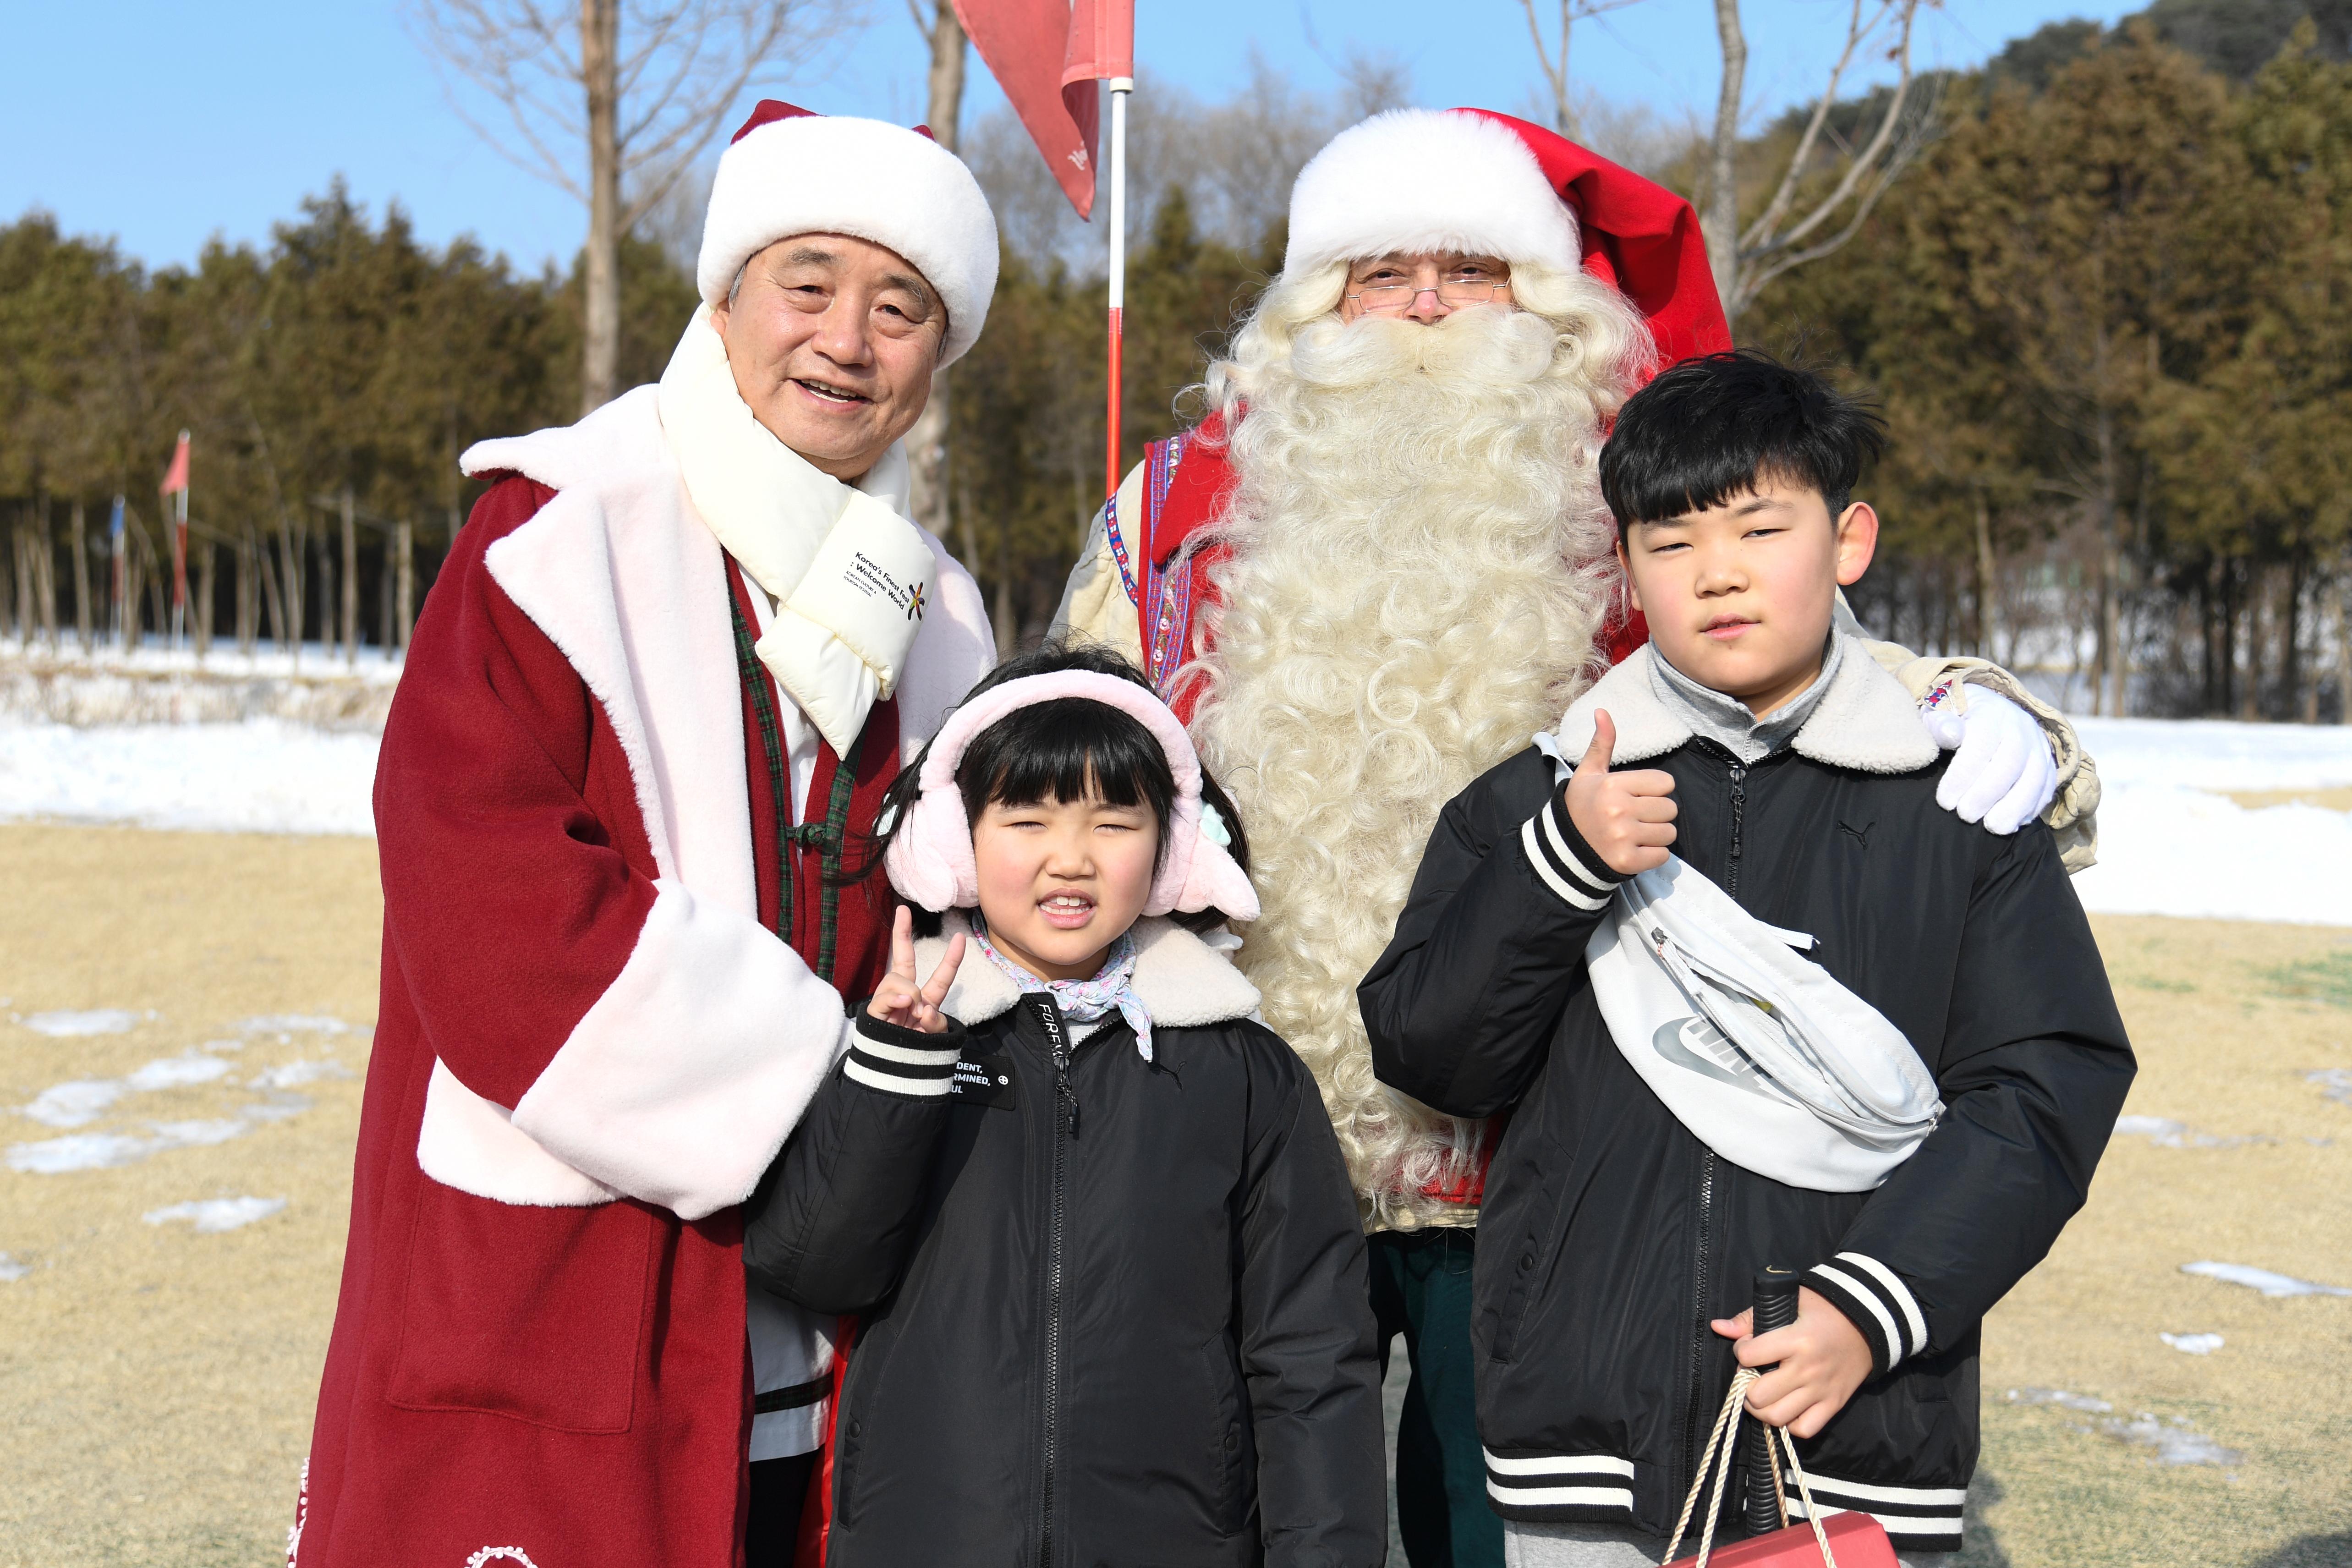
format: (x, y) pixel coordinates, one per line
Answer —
(1066, 750)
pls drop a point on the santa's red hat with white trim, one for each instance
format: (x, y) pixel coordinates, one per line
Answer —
(1469, 180)
(791, 171)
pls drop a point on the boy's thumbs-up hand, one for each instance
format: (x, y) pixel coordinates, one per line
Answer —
(1628, 818)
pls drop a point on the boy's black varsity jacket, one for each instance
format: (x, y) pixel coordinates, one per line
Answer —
(1609, 1235)
(1114, 1313)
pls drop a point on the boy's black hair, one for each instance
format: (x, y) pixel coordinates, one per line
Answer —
(1713, 427)
(1055, 750)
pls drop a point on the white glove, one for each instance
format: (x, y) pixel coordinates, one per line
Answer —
(2002, 774)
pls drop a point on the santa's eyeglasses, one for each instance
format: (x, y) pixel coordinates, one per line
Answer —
(1455, 293)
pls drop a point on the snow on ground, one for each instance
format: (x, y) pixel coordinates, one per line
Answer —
(154, 655)
(104, 1150)
(2262, 1280)
(2175, 1442)
(212, 1215)
(84, 1100)
(294, 1074)
(78, 1102)
(2170, 844)
(263, 776)
(98, 1021)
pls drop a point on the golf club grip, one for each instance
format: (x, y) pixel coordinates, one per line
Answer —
(1775, 1302)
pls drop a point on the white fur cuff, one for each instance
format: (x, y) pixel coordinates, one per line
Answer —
(472, 1144)
(680, 1083)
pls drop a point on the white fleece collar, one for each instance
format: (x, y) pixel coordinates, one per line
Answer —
(1865, 721)
(1182, 982)
(850, 574)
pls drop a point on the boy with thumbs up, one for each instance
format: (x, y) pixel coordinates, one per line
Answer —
(1954, 1059)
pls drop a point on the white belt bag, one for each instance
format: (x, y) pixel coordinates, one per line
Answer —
(1762, 1055)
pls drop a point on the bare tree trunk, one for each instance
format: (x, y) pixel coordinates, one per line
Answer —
(19, 604)
(926, 442)
(144, 566)
(2250, 693)
(1000, 613)
(1988, 582)
(2115, 631)
(968, 535)
(600, 36)
(2343, 650)
(45, 571)
(2110, 560)
(403, 620)
(2302, 696)
(350, 584)
(133, 573)
(247, 605)
(203, 626)
(1720, 221)
(293, 568)
(82, 578)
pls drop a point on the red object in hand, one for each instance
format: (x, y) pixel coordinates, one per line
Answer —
(1857, 1539)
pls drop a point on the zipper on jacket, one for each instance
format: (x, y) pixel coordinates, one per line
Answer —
(1701, 1407)
(1066, 1127)
(1738, 822)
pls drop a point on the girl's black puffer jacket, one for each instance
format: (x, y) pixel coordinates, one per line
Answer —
(1113, 1313)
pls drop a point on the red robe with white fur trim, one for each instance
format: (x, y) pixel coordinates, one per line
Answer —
(589, 1046)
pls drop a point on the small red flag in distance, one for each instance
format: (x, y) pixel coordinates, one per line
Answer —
(176, 478)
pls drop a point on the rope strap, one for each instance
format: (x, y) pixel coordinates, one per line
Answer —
(1726, 1425)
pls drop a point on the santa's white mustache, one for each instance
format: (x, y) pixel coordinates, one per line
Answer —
(1486, 345)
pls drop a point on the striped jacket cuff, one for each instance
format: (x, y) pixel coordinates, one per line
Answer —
(1915, 1519)
(1877, 1301)
(1560, 1488)
(1562, 861)
(903, 1061)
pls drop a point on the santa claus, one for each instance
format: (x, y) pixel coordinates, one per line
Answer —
(1378, 566)
(672, 662)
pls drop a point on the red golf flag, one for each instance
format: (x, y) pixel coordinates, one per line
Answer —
(1102, 43)
(175, 479)
(1047, 58)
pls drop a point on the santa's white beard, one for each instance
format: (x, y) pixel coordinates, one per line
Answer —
(1414, 587)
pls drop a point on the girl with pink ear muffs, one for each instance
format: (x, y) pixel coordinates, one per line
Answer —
(930, 838)
(1088, 1210)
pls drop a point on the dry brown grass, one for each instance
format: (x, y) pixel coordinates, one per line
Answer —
(2327, 799)
(158, 1384)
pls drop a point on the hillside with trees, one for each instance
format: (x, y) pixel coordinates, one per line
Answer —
(2106, 305)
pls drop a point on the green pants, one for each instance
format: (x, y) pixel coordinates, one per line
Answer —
(1421, 1288)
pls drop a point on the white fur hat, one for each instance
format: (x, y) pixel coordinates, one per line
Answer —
(1428, 180)
(790, 172)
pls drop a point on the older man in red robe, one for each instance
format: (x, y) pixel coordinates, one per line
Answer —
(673, 660)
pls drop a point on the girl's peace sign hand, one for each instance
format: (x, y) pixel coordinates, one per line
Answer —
(898, 1000)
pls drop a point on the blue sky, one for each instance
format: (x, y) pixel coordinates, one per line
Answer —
(162, 124)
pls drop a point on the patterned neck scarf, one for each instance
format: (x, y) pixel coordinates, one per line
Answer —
(1112, 989)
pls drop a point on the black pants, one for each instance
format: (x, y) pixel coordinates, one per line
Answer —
(779, 1487)
(1421, 1288)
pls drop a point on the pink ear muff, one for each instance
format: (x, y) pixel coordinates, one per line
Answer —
(930, 863)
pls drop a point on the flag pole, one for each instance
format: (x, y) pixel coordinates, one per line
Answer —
(180, 546)
(122, 577)
(1120, 86)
